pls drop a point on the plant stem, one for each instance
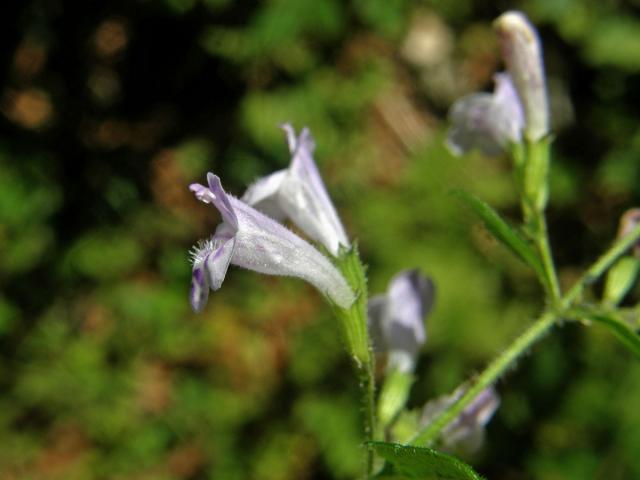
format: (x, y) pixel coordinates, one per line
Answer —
(489, 376)
(535, 332)
(542, 244)
(534, 176)
(367, 387)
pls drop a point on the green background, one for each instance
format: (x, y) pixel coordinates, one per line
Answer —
(109, 110)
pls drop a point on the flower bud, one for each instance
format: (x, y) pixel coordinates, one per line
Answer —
(522, 53)
(466, 432)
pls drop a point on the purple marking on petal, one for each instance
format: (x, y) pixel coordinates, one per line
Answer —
(199, 289)
(221, 200)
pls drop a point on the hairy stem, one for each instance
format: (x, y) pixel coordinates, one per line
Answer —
(354, 324)
(544, 249)
(367, 387)
(521, 345)
(493, 372)
(535, 192)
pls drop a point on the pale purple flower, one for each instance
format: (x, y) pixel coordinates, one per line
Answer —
(252, 240)
(467, 431)
(487, 121)
(522, 52)
(396, 319)
(298, 193)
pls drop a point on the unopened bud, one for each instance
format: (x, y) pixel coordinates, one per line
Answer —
(523, 56)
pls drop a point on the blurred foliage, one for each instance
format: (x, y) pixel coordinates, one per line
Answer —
(109, 111)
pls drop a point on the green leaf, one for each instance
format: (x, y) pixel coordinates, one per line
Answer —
(623, 331)
(503, 232)
(420, 463)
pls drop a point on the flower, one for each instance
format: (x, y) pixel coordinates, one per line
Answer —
(518, 106)
(299, 194)
(252, 240)
(467, 431)
(522, 53)
(396, 319)
(489, 122)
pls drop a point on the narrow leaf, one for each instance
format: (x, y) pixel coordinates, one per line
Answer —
(409, 462)
(503, 232)
(623, 331)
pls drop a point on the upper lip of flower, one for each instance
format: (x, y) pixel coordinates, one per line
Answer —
(298, 192)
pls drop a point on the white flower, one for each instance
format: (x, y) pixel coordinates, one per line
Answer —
(252, 240)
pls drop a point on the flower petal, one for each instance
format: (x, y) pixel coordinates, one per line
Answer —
(304, 197)
(202, 193)
(263, 195)
(488, 122)
(409, 298)
(265, 246)
(217, 262)
(396, 319)
(199, 289)
(221, 200)
(466, 432)
(509, 115)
